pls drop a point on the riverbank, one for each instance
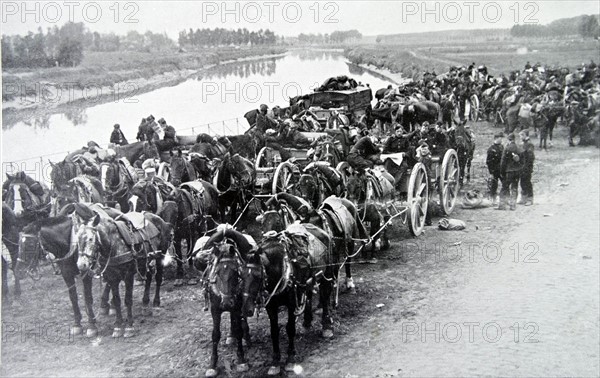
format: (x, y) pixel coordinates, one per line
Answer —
(105, 77)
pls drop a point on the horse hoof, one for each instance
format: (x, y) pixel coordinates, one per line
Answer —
(229, 341)
(117, 332)
(192, 281)
(241, 368)
(291, 367)
(104, 311)
(129, 332)
(146, 311)
(178, 282)
(156, 304)
(76, 330)
(274, 370)
(91, 332)
(211, 373)
(327, 333)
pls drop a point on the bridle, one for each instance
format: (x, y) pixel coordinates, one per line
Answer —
(220, 263)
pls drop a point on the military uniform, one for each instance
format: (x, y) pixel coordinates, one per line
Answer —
(526, 172)
(493, 160)
(510, 170)
(363, 154)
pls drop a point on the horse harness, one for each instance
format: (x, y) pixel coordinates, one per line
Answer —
(211, 273)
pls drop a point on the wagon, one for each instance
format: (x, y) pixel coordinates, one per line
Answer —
(351, 103)
(276, 176)
(415, 188)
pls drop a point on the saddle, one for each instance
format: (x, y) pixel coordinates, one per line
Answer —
(373, 177)
(343, 221)
(129, 228)
(194, 192)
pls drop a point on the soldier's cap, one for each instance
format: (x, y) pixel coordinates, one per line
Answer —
(425, 123)
(116, 126)
(524, 134)
(162, 120)
(499, 135)
(263, 107)
(423, 143)
(91, 143)
(511, 136)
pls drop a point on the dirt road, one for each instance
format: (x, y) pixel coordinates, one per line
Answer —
(516, 293)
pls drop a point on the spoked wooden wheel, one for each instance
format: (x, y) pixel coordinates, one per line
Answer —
(265, 157)
(449, 183)
(286, 176)
(418, 199)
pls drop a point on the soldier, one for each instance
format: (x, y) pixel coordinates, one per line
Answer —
(364, 154)
(510, 170)
(493, 160)
(117, 136)
(527, 170)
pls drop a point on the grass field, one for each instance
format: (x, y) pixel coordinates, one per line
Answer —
(498, 56)
(109, 68)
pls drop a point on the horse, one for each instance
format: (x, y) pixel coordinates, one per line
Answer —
(181, 169)
(234, 180)
(545, 120)
(197, 212)
(326, 149)
(62, 172)
(137, 151)
(367, 192)
(465, 149)
(28, 199)
(319, 181)
(119, 248)
(117, 178)
(224, 269)
(10, 238)
(56, 238)
(204, 166)
(286, 266)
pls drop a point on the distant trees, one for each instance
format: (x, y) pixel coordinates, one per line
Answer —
(219, 36)
(335, 37)
(586, 26)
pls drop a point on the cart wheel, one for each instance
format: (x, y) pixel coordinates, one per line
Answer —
(345, 171)
(418, 199)
(449, 181)
(265, 157)
(284, 180)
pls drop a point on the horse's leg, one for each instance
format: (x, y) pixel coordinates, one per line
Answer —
(4, 281)
(129, 278)
(291, 333)
(158, 278)
(246, 331)
(104, 305)
(92, 330)
(216, 337)
(348, 268)
(148, 281)
(236, 327)
(70, 282)
(17, 289)
(274, 323)
(116, 301)
(177, 242)
(308, 315)
(325, 290)
(468, 167)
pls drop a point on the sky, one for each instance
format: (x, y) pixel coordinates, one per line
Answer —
(288, 18)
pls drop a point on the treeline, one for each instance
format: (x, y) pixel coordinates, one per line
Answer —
(65, 46)
(220, 37)
(586, 26)
(335, 37)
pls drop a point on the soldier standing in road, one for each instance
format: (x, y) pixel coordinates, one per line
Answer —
(527, 170)
(493, 160)
(510, 170)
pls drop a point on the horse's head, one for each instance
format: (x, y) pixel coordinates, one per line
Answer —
(109, 175)
(143, 197)
(240, 168)
(307, 186)
(88, 244)
(272, 220)
(17, 195)
(226, 274)
(178, 168)
(254, 283)
(61, 173)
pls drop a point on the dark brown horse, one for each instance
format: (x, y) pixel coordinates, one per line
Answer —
(286, 266)
(235, 182)
(117, 178)
(134, 243)
(319, 181)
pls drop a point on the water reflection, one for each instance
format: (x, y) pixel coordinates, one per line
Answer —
(38, 122)
(240, 70)
(77, 116)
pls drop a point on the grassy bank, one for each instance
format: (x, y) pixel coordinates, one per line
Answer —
(106, 69)
(498, 56)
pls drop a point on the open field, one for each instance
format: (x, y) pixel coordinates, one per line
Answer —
(499, 56)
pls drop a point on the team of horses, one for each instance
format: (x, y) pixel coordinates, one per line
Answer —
(106, 220)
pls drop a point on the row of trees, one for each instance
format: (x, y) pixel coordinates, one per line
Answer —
(219, 36)
(335, 37)
(586, 26)
(65, 46)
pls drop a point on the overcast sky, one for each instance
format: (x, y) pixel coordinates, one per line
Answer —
(288, 18)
